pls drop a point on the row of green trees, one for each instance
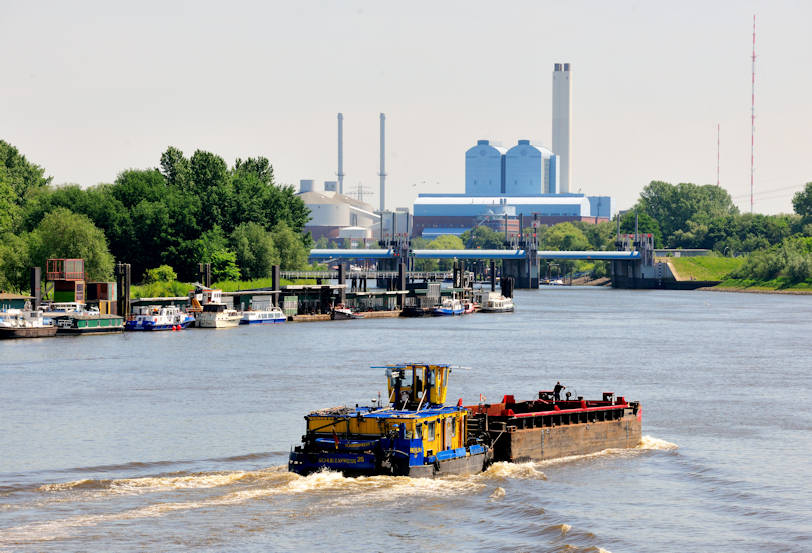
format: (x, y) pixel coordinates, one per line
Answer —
(188, 210)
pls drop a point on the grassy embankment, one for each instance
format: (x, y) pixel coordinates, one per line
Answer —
(705, 267)
(176, 288)
(719, 269)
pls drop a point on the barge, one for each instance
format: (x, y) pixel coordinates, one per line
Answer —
(546, 428)
(416, 434)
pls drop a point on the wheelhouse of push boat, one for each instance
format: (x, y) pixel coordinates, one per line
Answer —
(414, 434)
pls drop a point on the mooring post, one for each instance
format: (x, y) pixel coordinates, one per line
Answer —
(493, 275)
(36, 285)
(342, 280)
(401, 281)
(276, 280)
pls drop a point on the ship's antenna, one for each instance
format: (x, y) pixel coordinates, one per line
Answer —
(753, 116)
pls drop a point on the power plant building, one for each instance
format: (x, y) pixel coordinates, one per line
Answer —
(527, 181)
(500, 183)
(331, 211)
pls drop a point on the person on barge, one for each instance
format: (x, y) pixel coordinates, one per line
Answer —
(557, 391)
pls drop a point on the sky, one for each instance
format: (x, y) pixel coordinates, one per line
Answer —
(89, 89)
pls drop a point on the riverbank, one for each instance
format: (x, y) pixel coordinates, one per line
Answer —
(776, 286)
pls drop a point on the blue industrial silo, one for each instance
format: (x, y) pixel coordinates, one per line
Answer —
(485, 170)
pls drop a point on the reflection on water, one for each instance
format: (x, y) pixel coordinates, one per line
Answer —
(178, 441)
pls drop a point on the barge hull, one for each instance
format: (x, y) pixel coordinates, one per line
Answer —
(539, 444)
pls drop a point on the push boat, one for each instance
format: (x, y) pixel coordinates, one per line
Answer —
(449, 306)
(156, 317)
(417, 435)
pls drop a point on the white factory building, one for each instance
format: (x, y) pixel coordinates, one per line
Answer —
(336, 215)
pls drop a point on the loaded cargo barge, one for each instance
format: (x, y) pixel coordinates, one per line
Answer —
(542, 429)
(415, 434)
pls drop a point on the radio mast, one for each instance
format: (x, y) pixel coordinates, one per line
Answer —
(753, 116)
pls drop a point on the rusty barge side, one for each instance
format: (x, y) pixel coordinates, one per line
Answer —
(542, 429)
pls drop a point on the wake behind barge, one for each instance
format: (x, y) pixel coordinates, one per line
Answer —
(416, 434)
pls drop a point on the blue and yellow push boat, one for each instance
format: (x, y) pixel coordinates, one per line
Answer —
(416, 434)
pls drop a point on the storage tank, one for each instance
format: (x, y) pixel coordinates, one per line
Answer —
(484, 169)
(524, 173)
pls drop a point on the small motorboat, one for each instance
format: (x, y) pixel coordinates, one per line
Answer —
(494, 302)
(449, 306)
(157, 317)
(342, 313)
(263, 316)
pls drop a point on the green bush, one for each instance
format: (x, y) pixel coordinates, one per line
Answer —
(164, 273)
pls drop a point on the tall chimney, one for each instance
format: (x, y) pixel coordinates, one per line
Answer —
(562, 123)
(382, 172)
(340, 153)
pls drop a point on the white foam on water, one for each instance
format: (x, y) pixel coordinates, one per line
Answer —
(650, 442)
(498, 493)
(518, 471)
(258, 484)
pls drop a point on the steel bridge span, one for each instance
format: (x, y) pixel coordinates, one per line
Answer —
(391, 253)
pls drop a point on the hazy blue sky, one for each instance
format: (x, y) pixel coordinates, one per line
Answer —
(91, 88)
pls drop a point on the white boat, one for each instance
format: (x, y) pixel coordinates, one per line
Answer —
(494, 302)
(263, 316)
(158, 317)
(218, 315)
(25, 323)
(449, 306)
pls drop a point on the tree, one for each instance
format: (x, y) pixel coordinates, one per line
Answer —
(19, 178)
(483, 238)
(644, 223)
(802, 203)
(565, 237)
(446, 242)
(14, 261)
(672, 206)
(63, 233)
(136, 185)
(212, 185)
(8, 203)
(255, 250)
(292, 252)
(224, 265)
(175, 169)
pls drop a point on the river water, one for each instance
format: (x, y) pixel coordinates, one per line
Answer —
(177, 441)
